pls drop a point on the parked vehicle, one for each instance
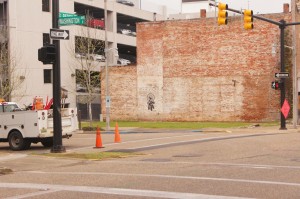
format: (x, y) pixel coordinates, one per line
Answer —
(80, 55)
(125, 2)
(133, 33)
(126, 31)
(21, 127)
(96, 23)
(80, 88)
(122, 61)
(97, 57)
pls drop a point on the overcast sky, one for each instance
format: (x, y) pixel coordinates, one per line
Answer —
(258, 6)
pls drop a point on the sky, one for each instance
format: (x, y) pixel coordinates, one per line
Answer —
(258, 6)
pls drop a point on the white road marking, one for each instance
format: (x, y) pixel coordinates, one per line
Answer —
(173, 177)
(189, 135)
(254, 166)
(114, 191)
(12, 156)
(41, 192)
(134, 141)
(195, 140)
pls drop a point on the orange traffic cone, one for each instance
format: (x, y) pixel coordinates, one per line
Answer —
(98, 139)
(117, 134)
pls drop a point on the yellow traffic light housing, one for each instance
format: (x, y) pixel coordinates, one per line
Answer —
(222, 14)
(248, 19)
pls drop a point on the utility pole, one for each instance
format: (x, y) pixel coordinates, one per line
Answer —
(57, 127)
(107, 97)
(295, 81)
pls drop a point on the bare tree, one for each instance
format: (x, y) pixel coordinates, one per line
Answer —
(10, 78)
(88, 54)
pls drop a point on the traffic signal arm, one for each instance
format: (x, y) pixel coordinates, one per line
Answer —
(254, 16)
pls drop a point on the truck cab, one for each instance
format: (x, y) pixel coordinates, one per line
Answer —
(9, 107)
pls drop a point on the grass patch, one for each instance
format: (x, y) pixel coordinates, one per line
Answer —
(178, 125)
(92, 156)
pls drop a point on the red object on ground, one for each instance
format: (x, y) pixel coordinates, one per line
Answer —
(98, 139)
(117, 134)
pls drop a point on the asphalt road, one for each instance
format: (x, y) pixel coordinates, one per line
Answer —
(240, 163)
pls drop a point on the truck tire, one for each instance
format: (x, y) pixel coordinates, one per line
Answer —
(47, 142)
(17, 142)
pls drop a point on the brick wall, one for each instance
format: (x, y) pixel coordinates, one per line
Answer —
(194, 70)
(122, 90)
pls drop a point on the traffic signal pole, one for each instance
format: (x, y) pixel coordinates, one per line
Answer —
(282, 25)
(282, 69)
(57, 127)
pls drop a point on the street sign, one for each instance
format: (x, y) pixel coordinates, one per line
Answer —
(74, 20)
(282, 75)
(64, 14)
(285, 109)
(59, 34)
(107, 98)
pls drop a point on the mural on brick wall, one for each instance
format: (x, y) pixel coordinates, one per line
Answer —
(150, 101)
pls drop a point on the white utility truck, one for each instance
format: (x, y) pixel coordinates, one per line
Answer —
(20, 127)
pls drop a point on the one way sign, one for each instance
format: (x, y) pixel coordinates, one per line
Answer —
(59, 34)
(282, 75)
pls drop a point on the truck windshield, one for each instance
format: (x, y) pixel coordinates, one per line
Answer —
(8, 107)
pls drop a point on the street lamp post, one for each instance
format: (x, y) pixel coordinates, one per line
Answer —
(107, 97)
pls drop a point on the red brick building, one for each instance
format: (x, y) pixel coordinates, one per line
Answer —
(195, 70)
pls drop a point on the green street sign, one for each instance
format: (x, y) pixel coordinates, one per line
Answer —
(64, 14)
(75, 20)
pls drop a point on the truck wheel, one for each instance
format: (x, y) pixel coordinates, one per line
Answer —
(47, 142)
(17, 142)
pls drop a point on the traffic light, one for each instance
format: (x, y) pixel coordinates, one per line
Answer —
(47, 54)
(222, 14)
(248, 19)
(276, 85)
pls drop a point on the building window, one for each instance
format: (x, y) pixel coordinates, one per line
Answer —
(46, 5)
(47, 76)
(93, 82)
(46, 39)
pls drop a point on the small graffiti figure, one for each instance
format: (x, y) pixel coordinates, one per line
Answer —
(150, 101)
